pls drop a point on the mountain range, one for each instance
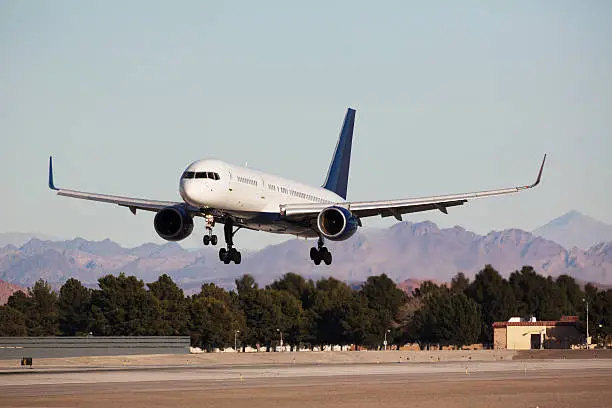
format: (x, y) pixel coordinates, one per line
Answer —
(576, 230)
(404, 251)
(20, 238)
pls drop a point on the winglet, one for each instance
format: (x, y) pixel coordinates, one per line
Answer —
(539, 174)
(51, 184)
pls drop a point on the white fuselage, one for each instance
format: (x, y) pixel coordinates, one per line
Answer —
(253, 195)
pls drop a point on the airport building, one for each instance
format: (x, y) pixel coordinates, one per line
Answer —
(522, 334)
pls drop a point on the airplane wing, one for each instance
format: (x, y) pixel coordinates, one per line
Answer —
(132, 203)
(396, 208)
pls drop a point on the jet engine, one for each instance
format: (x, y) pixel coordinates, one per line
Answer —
(173, 223)
(337, 223)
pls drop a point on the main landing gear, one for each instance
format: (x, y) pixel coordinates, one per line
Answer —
(230, 254)
(209, 238)
(320, 253)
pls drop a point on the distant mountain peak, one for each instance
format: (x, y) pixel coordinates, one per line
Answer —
(20, 238)
(421, 251)
(575, 229)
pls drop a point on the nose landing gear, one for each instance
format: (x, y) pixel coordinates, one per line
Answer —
(209, 238)
(320, 253)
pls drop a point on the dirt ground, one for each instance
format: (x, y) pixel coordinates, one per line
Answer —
(585, 388)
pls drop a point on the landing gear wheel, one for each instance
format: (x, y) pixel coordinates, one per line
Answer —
(206, 239)
(236, 256)
(230, 254)
(327, 256)
(314, 253)
(320, 253)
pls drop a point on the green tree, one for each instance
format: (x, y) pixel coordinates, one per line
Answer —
(535, 295)
(123, 307)
(211, 323)
(600, 312)
(447, 318)
(298, 287)
(12, 322)
(336, 315)
(21, 302)
(256, 306)
(43, 317)
(569, 299)
(74, 305)
(174, 316)
(215, 315)
(495, 297)
(384, 300)
(460, 283)
(304, 291)
(288, 317)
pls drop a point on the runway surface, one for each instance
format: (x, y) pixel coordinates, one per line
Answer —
(553, 383)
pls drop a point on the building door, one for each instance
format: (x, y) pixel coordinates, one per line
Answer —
(535, 341)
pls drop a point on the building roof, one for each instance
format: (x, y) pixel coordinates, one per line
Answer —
(564, 321)
(547, 323)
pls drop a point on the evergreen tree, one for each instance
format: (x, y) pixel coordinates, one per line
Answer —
(334, 312)
(570, 295)
(447, 318)
(535, 295)
(496, 300)
(460, 283)
(215, 316)
(384, 299)
(123, 307)
(42, 319)
(74, 305)
(12, 322)
(174, 316)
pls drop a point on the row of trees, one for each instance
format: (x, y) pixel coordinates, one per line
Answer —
(327, 311)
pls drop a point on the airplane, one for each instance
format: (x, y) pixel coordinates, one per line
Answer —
(240, 197)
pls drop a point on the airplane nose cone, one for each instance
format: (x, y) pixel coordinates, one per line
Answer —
(188, 191)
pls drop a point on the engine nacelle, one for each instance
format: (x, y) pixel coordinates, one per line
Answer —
(337, 223)
(173, 223)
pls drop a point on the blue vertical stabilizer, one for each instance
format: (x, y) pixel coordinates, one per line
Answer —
(337, 175)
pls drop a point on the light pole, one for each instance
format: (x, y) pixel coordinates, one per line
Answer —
(236, 339)
(587, 320)
(385, 342)
(281, 338)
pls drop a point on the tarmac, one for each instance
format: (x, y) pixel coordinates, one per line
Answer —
(448, 384)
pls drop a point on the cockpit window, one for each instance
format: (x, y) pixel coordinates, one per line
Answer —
(206, 174)
(188, 174)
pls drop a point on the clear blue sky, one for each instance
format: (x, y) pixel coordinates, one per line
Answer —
(450, 97)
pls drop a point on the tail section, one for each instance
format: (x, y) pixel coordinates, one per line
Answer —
(337, 175)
